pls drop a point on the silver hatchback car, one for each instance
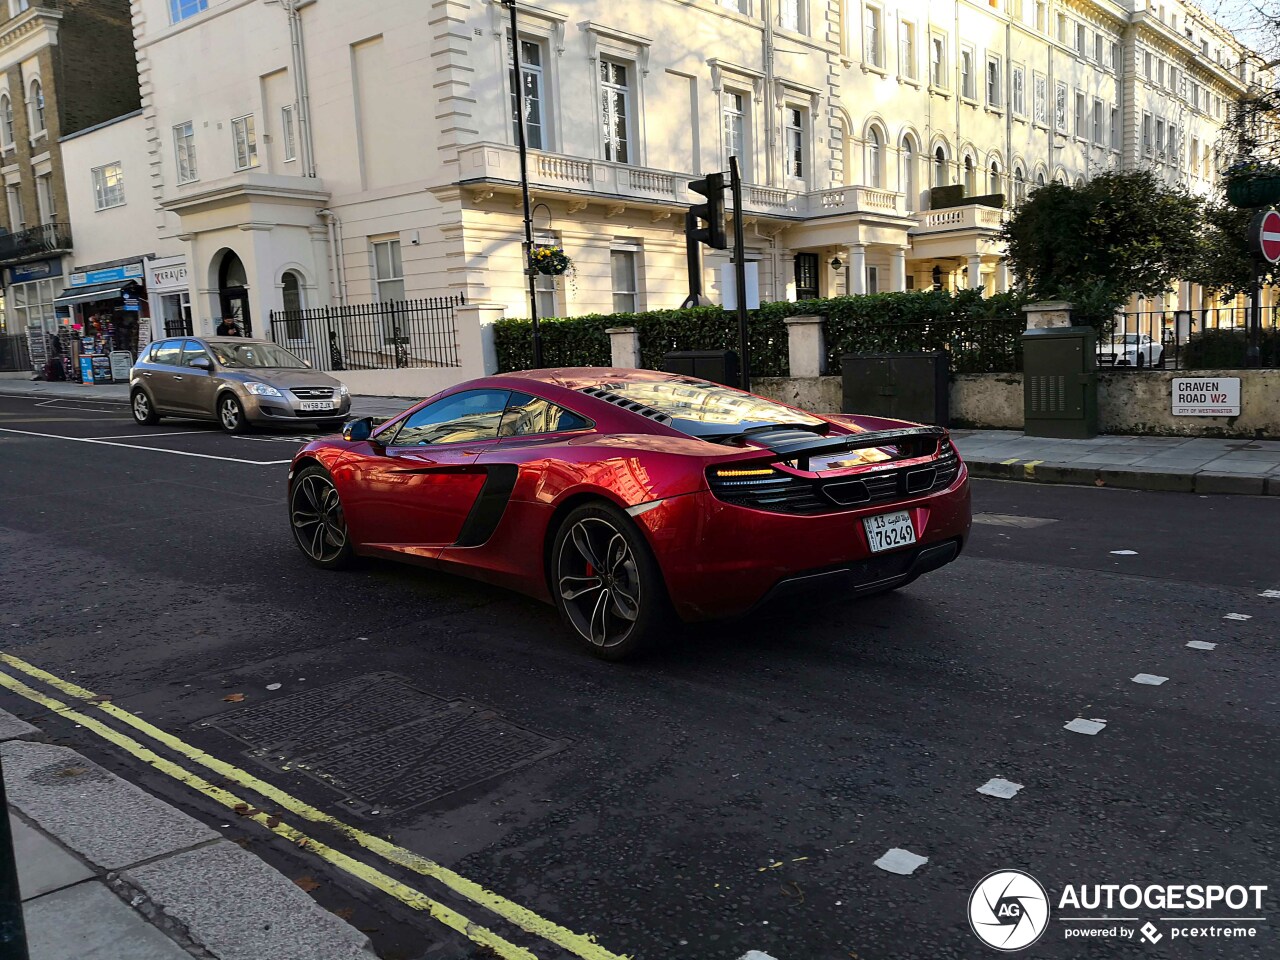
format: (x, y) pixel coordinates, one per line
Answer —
(235, 381)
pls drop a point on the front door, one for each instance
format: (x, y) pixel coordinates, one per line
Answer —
(235, 306)
(807, 276)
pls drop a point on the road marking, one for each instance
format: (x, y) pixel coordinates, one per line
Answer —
(20, 418)
(1238, 616)
(1201, 645)
(1150, 679)
(901, 862)
(130, 446)
(407, 895)
(157, 436)
(1010, 520)
(1088, 727)
(1010, 462)
(583, 946)
(1001, 788)
(1029, 468)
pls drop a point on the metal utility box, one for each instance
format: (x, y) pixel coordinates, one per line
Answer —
(904, 386)
(718, 366)
(1060, 382)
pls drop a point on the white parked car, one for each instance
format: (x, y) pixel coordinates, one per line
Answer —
(1132, 350)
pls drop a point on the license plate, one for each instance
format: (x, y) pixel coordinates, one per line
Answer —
(317, 404)
(889, 531)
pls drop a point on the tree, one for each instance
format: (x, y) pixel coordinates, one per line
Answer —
(1225, 264)
(1097, 245)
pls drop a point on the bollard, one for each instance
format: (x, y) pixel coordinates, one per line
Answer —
(13, 931)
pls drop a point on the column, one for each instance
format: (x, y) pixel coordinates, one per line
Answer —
(898, 270)
(857, 268)
(1002, 276)
(975, 272)
(624, 347)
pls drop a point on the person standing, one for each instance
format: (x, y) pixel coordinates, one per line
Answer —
(229, 328)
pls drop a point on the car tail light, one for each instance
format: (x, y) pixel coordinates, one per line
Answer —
(765, 488)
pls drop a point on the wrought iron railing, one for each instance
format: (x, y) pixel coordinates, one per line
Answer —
(1216, 338)
(372, 336)
(35, 241)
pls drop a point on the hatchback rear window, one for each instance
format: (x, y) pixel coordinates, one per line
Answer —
(703, 409)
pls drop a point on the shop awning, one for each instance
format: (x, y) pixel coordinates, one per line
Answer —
(98, 291)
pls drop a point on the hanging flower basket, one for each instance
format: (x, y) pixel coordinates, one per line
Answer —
(550, 260)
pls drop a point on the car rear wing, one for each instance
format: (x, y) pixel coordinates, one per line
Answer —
(800, 446)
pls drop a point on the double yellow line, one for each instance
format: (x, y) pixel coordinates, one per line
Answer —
(580, 945)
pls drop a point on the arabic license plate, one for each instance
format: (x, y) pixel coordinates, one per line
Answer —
(889, 531)
(317, 404)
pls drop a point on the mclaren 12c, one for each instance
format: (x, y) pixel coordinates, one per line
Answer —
(628, 496)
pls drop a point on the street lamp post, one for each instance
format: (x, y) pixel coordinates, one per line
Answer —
(517, 93)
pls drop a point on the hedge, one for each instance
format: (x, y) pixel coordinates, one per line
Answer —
(982, 334)
(1225, 349)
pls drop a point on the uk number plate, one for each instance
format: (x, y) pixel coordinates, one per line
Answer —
(889, 531)
(317, 404)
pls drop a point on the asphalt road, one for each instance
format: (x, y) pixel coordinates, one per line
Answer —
(729, 792)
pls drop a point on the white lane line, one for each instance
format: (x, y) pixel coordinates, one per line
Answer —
(901, 862)
(1238, 616)
(1150, 679)
(130, 446)
(1088, 727)
(61, 404)
(1201, 645)
(1001, 788)
(1270, 594)
(156, 436)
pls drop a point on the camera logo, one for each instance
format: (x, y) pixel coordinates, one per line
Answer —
(1009, 910)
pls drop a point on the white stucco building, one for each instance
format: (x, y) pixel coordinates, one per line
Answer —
(315, 153)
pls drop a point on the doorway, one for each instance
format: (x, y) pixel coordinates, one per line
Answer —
(233, 292)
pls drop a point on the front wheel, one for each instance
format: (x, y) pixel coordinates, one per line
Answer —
(606, 582)
(143, 412)
(1142, 361)
(315, 514)
(231, 414)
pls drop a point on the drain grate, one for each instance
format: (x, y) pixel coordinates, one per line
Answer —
(382, 744)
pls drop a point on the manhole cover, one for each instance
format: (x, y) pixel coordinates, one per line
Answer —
(383, 744)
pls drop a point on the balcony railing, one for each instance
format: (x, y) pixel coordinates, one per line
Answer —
(35, 242)
(970, 216)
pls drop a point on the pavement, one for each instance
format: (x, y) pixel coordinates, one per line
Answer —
(448, 772)
(1175, 464)
(109, 872)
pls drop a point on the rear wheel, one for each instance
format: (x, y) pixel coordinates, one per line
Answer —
(606, 582)
(315, 514)
(142, 409)
(231, 414)
(1142, 361)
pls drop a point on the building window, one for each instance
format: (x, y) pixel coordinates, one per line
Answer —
(1160, 72)
(184, 145)
(17, 219)
(388, 272)
(6, 121)
(790, 15)
(1060, 107)
(1160, 138)
(875, 159)
(1081, 42)
(875, 36)
(47, 199)
(794, 138)
(18, 6)
(1042, 15)
(734, 120)
(291, 292)
(907, 53)
(1015, 9)
(970, 177)
(940, 167)
(1146, 133)
(1041, 106)
(1082, 128)
(993, 178)
(993, 82)
(246, 142)
(531, 86)
(1115, 128)
(1062, 28)
(179, 10)
(37, 108)
(108, 186)
(622, 262)
(1097, 122)
(1115, 55)
(807, 276)
(938, 62)
(1019, 185)
(873, 279)
(288, 133)
(908, 176)
(615, 110)
(1148, 66)
(1019, 91)
(966, 74)
(741, 6)
(1099, 43)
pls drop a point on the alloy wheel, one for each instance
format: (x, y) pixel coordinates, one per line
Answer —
(141, 407)
(318, 523)
(599, 582)
(229, 414)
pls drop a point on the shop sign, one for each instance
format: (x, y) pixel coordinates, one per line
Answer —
(132, 304)
(1206, 397)
(121, 363)
(87, 278)
(175, 276)
(40, 270)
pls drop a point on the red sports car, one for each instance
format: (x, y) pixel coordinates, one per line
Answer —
(624, 496)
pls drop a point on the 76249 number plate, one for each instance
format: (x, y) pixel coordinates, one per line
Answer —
(888, 531)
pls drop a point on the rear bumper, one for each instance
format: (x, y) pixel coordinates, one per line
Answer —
(719, 559)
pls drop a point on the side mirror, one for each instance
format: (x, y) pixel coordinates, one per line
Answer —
(358, 430)
(202, 363)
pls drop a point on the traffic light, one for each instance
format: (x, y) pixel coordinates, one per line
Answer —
(711, 213)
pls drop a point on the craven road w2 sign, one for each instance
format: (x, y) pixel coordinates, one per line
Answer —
(1206, 397)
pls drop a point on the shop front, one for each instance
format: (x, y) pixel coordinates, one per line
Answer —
(170, 297)
(105, 318)
(29, 301)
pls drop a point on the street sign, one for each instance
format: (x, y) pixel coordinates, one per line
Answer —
(1265, 238)
(1206, 397)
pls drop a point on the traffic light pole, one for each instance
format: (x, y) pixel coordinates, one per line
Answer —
(693, 254)
(518, 93)
(1253, 352)
(740, 272)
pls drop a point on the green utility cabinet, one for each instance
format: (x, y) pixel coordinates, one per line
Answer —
(1060, 382)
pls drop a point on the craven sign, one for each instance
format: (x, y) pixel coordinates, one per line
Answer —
(1206, 397)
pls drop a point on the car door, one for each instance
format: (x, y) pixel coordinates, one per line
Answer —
(413, 495)
(194, 388)
(164, 363)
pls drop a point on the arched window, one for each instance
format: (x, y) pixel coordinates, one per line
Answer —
(6, 120)
(1079, 182)
(1019, 185)
(875, 159)
(940, 167)
(37, 108)
(993, 185)
(292, 290)
(970, 177)
(907, 179)
(1039, 179)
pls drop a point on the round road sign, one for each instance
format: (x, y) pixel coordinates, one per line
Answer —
(1267, 235)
